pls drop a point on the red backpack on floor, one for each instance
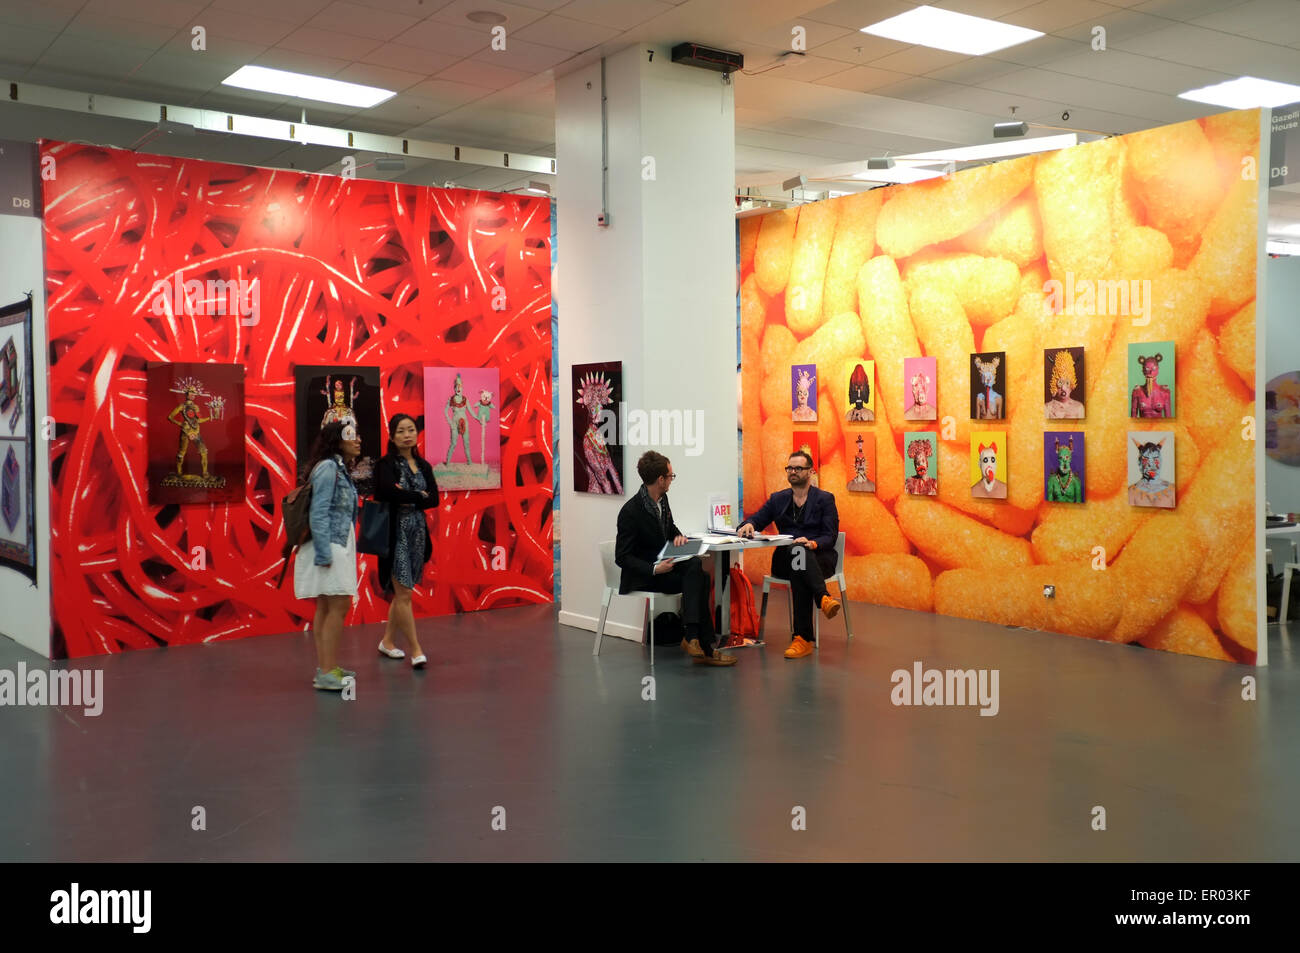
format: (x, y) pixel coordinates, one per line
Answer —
(744, 617)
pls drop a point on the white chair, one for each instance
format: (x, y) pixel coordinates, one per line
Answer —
(837, 577)
(1286, 591)
(670, 600)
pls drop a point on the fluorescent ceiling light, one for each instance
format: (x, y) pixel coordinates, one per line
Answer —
(301, 86)
(1282, 248)
(899, 173)
(1245, 92)
(997, 150)
(954, 32)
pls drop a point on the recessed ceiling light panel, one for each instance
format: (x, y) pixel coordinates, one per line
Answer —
(302, 86)
(487, 17)
(899, 174)
(954, 32)
(997, 150)
(1245, 92)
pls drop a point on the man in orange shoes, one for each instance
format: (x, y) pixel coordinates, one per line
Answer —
(809, 515)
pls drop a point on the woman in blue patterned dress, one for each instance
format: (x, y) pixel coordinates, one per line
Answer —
(406, 483)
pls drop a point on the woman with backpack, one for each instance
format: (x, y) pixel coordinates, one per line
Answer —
(326, 568)
(406, 483)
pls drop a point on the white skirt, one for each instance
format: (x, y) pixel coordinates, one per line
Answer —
(339, 578)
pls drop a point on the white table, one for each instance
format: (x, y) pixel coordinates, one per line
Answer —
(722, 570)
(1292, 531)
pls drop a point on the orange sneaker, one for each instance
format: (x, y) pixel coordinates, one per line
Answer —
(830, 607)
(799, 648)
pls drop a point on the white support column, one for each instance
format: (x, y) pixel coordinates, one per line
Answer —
(655, 289)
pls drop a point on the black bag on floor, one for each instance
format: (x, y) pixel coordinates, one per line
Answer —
(1273, 596)
(669, 629)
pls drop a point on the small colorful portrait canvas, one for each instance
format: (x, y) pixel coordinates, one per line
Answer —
(1151, 468)
(807, 443)
(988, 464)
(803, 393)
(1063, 383)
(921, 463)
(861, 392)
(920, 388)
(1063, 466)
(988, 386)
(1151, 380)
(861, 447)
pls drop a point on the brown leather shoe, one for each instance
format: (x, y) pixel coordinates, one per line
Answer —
(692, 648)
(830, 607)
(716, 659)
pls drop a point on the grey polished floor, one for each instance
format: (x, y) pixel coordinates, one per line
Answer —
(516, 714)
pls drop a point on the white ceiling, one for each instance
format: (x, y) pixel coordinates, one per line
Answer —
(851, 96)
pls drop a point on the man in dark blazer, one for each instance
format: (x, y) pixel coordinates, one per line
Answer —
(645, 523)
(809, 515)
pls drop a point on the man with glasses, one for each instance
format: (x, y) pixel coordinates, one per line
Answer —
(645, 523)
(809, 515)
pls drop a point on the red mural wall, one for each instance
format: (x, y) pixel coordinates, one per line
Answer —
(350, 272)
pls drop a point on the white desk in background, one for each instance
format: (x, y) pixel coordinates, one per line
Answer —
(1294, 533)
(1290, 531)
(722, 547)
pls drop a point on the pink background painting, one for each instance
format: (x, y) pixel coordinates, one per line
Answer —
(484, 448)
(928, 367)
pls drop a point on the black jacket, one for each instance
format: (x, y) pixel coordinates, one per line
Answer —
(640, 538)
(388, 489)
(820, 522)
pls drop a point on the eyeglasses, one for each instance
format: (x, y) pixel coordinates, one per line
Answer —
(796, 469)
(672, 476)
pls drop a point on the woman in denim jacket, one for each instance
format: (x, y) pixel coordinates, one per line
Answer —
(327, 571)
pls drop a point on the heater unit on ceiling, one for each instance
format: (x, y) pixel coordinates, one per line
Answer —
(720, 61)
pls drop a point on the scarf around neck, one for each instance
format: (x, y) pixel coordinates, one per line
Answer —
(666, 519)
